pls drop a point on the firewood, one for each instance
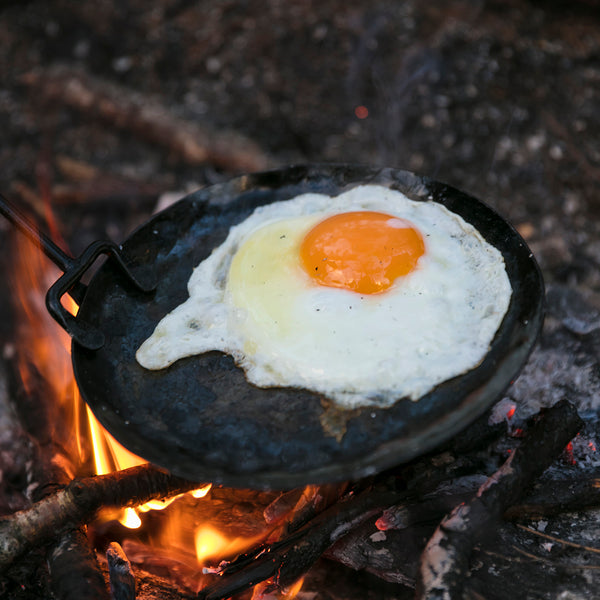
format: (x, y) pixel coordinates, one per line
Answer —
(122, 581)
(290, 558)
(554, 497)
(79, 502)
(122, 108)
(389, 549)
(444, 562)
(72, 566)
(74, 570)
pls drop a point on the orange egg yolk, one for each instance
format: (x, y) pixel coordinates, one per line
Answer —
(362, 251)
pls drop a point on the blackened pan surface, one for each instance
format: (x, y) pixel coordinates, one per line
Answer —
(200, 418)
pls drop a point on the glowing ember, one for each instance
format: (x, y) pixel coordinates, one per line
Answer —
(361, 112)
(569, 454)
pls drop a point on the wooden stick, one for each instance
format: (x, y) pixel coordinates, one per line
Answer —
(122, 108)
(79, 502)
(122, 581)
(444, 561)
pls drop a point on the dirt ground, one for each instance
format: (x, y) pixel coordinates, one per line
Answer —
(106, 107)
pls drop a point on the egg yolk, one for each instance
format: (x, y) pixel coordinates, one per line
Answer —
(362, 251)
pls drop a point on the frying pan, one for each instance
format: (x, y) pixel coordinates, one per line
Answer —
(200, 418)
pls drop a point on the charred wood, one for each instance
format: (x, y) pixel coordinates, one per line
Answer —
(74, 569)
(291, 557)
(79, 502)
(553, 497)
(122, 580)
(390, 548)
(444, 562)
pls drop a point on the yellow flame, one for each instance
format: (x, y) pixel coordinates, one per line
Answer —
(130, 519)
(201, 492)
(270, 589)
(294, 589)
(209, 543)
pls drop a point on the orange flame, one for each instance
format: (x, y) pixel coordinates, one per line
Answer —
(44, 351)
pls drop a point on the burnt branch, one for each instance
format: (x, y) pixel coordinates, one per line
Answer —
(288, 559)
(390, 550)
(74, 569)
(555, 497)
(122, 581)
(78, 504)
(444, 562)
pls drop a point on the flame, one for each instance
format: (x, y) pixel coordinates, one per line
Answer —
(130, 519)
(43, 350)
(209, 543)
(110, 456)
(270, 590)
(294, 589)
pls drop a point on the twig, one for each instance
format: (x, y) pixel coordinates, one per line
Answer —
(559, 540)
(79, 502)
(445, 559)
(553, 563)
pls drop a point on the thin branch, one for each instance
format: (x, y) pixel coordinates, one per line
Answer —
(78, 503)
(559, 540)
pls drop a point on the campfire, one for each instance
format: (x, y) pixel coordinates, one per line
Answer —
(429, 528)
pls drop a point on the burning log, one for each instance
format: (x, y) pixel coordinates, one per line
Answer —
(288, 559)
(122, 581)
(75, 573)
(79, 502)
(444, 562)
(403, 524)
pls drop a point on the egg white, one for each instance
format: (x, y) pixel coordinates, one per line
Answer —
(252, 299)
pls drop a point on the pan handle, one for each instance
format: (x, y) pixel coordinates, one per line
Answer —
(73, 269)
(83, 333)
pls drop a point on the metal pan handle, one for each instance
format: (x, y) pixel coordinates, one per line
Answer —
(73, 269)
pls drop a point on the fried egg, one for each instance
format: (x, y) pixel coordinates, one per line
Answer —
(366, 298)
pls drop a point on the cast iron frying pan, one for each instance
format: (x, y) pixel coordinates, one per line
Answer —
(201, 419)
